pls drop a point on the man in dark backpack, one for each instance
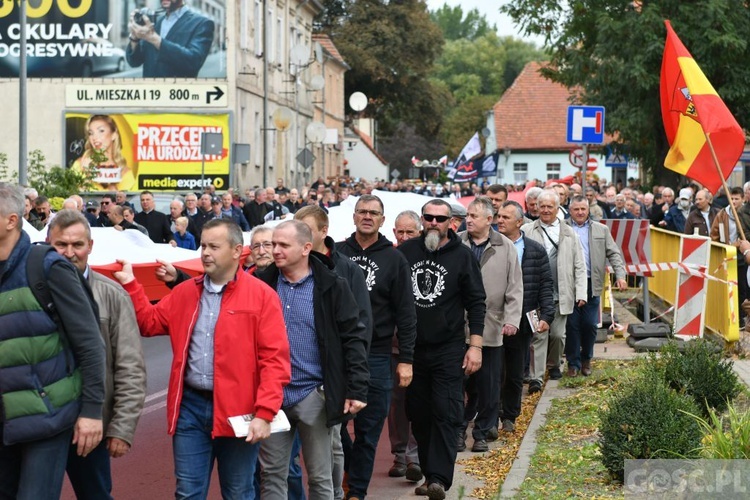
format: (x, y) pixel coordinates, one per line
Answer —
(52, 389)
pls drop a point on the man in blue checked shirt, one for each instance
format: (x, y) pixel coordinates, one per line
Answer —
(328, 347)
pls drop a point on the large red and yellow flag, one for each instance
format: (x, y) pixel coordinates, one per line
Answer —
(692, 110)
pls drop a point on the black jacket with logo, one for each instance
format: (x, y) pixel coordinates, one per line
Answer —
(448, 290)
(388, 280)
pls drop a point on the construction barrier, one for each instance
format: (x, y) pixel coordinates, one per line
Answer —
(721, 314)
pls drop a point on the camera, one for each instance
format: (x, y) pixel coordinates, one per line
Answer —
(144, 12)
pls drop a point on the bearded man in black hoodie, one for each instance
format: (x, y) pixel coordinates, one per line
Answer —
(388, 281)
(449, 298)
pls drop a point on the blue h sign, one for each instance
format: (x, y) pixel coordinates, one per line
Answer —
(586, 124)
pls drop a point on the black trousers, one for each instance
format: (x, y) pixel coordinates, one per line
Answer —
(515, 351)
(435, 406)
(483, 393)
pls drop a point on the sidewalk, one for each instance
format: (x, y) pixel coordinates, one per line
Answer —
(385, 488)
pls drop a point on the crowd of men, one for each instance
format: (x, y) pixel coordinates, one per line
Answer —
(434, 331)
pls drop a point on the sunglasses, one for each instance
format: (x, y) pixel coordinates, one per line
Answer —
(439, 218)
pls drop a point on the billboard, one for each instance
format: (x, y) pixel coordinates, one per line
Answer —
(116, 38)
(158, 152)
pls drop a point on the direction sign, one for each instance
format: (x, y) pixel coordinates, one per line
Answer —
(585, 124)
(576, 157)
(137, 95)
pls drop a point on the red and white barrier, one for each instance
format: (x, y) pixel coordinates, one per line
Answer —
(633, 236)
(690, 300)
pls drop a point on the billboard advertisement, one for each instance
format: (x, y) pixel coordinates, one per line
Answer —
(115, 38)
(158, 152)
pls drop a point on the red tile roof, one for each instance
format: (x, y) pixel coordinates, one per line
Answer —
(532, 113)
(327, 44)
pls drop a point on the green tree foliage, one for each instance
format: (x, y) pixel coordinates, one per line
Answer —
(457, 26)
(463, 120)
(390, 47)
(612, 51)
(56, 181)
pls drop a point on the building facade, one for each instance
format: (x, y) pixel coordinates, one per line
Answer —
(262, 58)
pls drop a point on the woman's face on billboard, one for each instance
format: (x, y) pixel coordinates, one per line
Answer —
(100, 134)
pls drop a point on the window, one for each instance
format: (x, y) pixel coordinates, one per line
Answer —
(244, 20)
(258, 140)
(553, 171)
(258, 32)
(520, 173)
(279, 41)
(270, 50)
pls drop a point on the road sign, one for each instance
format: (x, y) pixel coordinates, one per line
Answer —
(585, 124)
(137, 95)
(616, 160)
(576, 157)
(592, 164)
(395, 174)
(306, 158)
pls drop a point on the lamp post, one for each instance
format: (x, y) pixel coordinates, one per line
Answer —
(22, 134)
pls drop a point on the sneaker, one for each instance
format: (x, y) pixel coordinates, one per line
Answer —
(421, 490)
(461, 442)
(436, 491)
(555, 373)
(397, 470)
(509, 426)
(526, 379)
(480, 446)
(413, 472)
(492, 434)
(535, 386)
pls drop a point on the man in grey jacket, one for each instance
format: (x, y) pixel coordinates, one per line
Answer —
(125, 378)
(503, 284)
(598, 248)
(568, 283)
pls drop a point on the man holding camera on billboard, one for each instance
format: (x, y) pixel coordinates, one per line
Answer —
(175, 44)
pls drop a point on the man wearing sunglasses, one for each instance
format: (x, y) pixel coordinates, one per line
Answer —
(449, 296)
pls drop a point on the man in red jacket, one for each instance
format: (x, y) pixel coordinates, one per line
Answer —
(222, 366)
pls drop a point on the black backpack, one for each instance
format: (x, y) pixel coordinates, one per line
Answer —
(38, 285)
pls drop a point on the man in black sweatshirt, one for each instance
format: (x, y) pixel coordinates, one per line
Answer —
(388, 280)
(449, 297)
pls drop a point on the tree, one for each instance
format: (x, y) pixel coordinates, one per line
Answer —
(390, 47)
(611, 51)
(399, 148)
(455, 26)
(463, 121)
(57, 181)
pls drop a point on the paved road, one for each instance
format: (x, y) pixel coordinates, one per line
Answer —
(147, 471)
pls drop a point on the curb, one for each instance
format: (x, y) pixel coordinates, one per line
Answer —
(522, 463)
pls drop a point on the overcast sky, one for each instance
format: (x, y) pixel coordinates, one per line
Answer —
(490, 9)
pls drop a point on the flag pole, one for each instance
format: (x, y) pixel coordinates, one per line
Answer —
(726, 189)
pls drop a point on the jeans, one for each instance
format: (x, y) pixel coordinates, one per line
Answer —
(435, 406)
(308, 417)
(581, 333)
(294, 480)
(90, 476)
(483, 391)
(195, 451)
(515, 351)
(403, 444)
(369, 424)
(34, 470)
